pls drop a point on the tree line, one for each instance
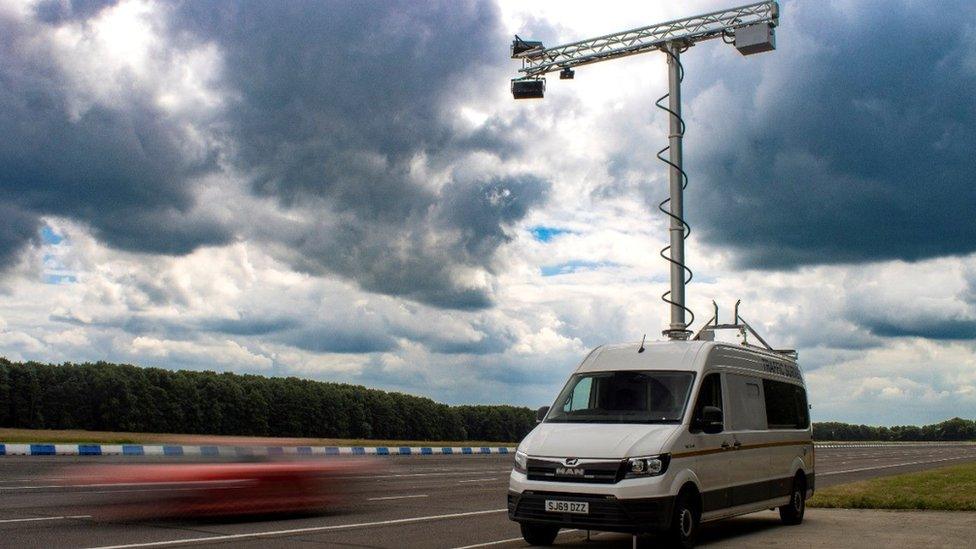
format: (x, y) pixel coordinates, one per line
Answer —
(952, 429)
(115, 397)
(118, 397)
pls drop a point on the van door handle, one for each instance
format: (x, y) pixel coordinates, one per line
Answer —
(726, 445)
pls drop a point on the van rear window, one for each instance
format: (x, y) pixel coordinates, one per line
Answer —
(786, 405)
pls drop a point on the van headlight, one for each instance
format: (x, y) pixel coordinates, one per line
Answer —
(521, 461)
(649, 466)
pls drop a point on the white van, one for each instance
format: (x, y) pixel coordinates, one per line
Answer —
(663, 438)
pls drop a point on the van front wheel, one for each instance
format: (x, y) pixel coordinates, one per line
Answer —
(684, 524)
(538, 534)
(792, 512)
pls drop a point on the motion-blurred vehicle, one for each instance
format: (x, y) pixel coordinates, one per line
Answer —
(197, 490)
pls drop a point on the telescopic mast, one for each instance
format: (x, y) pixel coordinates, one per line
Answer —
(750, 28)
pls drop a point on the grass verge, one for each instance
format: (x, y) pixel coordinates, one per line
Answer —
(945, 489)
(24, 436)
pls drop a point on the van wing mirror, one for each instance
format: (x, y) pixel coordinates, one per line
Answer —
(712, 421)
(540, 414)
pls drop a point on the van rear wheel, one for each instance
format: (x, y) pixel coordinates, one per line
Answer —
(792, 513)
(538, 534)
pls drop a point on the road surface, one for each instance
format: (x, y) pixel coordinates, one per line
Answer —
(415, 501)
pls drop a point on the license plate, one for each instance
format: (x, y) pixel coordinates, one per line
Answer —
(578, 507)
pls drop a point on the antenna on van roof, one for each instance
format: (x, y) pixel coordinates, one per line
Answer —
(708, 330)
(641, 350)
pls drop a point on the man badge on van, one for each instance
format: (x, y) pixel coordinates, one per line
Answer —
(569, 471)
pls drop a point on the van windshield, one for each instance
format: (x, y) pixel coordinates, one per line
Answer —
(623, 397)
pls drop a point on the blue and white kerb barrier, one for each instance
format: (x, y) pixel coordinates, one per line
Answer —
(184, 450)
(233, 451)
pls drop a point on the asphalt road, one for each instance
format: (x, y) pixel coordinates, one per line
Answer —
(415, 501)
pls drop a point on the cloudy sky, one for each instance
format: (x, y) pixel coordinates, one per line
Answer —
(346, 191)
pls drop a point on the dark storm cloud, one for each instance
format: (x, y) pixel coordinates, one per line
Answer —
(330, 107)
(860, 146)
(16, 230)
(120, 168)
(421, 256)
(248, 326)
(930, 323)
(939, 329)
(335, 335)
(324, 84)
(337, 100)
(339, 339)
(481, 210)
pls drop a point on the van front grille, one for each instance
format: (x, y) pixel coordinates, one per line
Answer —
(599, 472)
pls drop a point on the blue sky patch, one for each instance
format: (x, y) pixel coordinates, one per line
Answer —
(48, 236)
(58, 278)
(545, 234)
(571, 267)
(54, 272)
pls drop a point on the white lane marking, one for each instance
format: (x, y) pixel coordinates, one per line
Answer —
(477, 480)
(32, 487)
(509, 540)
(397, 497)
(310, 530)
(66, 517)
(490, 543)
(890, 466)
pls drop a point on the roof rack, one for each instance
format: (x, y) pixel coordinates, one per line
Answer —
(707, 332)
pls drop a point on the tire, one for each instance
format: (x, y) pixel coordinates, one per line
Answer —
(683, 532)
(539, 534)
(792, 513)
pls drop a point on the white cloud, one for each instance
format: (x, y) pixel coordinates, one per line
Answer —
(908, 381)
(124, 47)
(243, 307)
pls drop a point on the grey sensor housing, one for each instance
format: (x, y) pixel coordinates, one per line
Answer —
(755, 39)
(528, 88)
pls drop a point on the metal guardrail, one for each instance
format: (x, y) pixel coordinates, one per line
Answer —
(912, 444)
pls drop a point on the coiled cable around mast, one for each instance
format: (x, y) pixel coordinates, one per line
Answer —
(686, 229)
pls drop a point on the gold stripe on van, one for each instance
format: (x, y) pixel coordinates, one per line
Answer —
(743, 447)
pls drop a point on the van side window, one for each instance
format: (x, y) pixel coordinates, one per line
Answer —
(710, 394)
(802, 408)
(786, 405)
(746, 407)
(580, 398)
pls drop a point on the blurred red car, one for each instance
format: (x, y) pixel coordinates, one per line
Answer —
(128, 492)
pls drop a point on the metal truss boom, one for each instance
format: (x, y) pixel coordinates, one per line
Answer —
(539, 61)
